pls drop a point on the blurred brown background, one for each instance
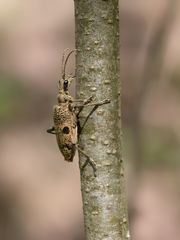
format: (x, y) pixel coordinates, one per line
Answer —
(39, 192)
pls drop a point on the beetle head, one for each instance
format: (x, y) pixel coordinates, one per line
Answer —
(65, 81)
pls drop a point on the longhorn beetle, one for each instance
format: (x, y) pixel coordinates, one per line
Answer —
(66, 117)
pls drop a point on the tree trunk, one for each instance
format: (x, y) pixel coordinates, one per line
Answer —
(97, 74)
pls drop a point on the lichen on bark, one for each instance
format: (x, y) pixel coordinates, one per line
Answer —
(97, 74)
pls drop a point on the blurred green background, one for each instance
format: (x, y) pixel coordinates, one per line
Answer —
(40, 193)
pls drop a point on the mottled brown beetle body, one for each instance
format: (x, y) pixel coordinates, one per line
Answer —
(65, 119)
(65, 126)
(65, 115)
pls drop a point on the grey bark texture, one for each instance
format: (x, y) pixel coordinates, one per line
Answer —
(97, 74)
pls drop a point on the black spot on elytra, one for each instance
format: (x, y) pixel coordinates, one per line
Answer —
(66, 130)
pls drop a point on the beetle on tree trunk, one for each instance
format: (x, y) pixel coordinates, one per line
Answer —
(66, 114)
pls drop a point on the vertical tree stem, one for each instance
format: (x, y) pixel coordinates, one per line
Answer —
(97, 73)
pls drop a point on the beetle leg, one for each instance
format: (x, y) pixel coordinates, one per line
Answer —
(84, 101)
(88, 160)
(96, 105)
(79, 108)
(88, 100)
(51, 130)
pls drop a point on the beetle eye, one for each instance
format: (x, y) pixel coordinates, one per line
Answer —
(66, 130)
(65, 85)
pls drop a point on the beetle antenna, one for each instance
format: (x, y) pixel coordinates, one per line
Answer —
(65, 63)
(62, 63)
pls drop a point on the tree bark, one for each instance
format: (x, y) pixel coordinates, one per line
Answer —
(97, 74)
